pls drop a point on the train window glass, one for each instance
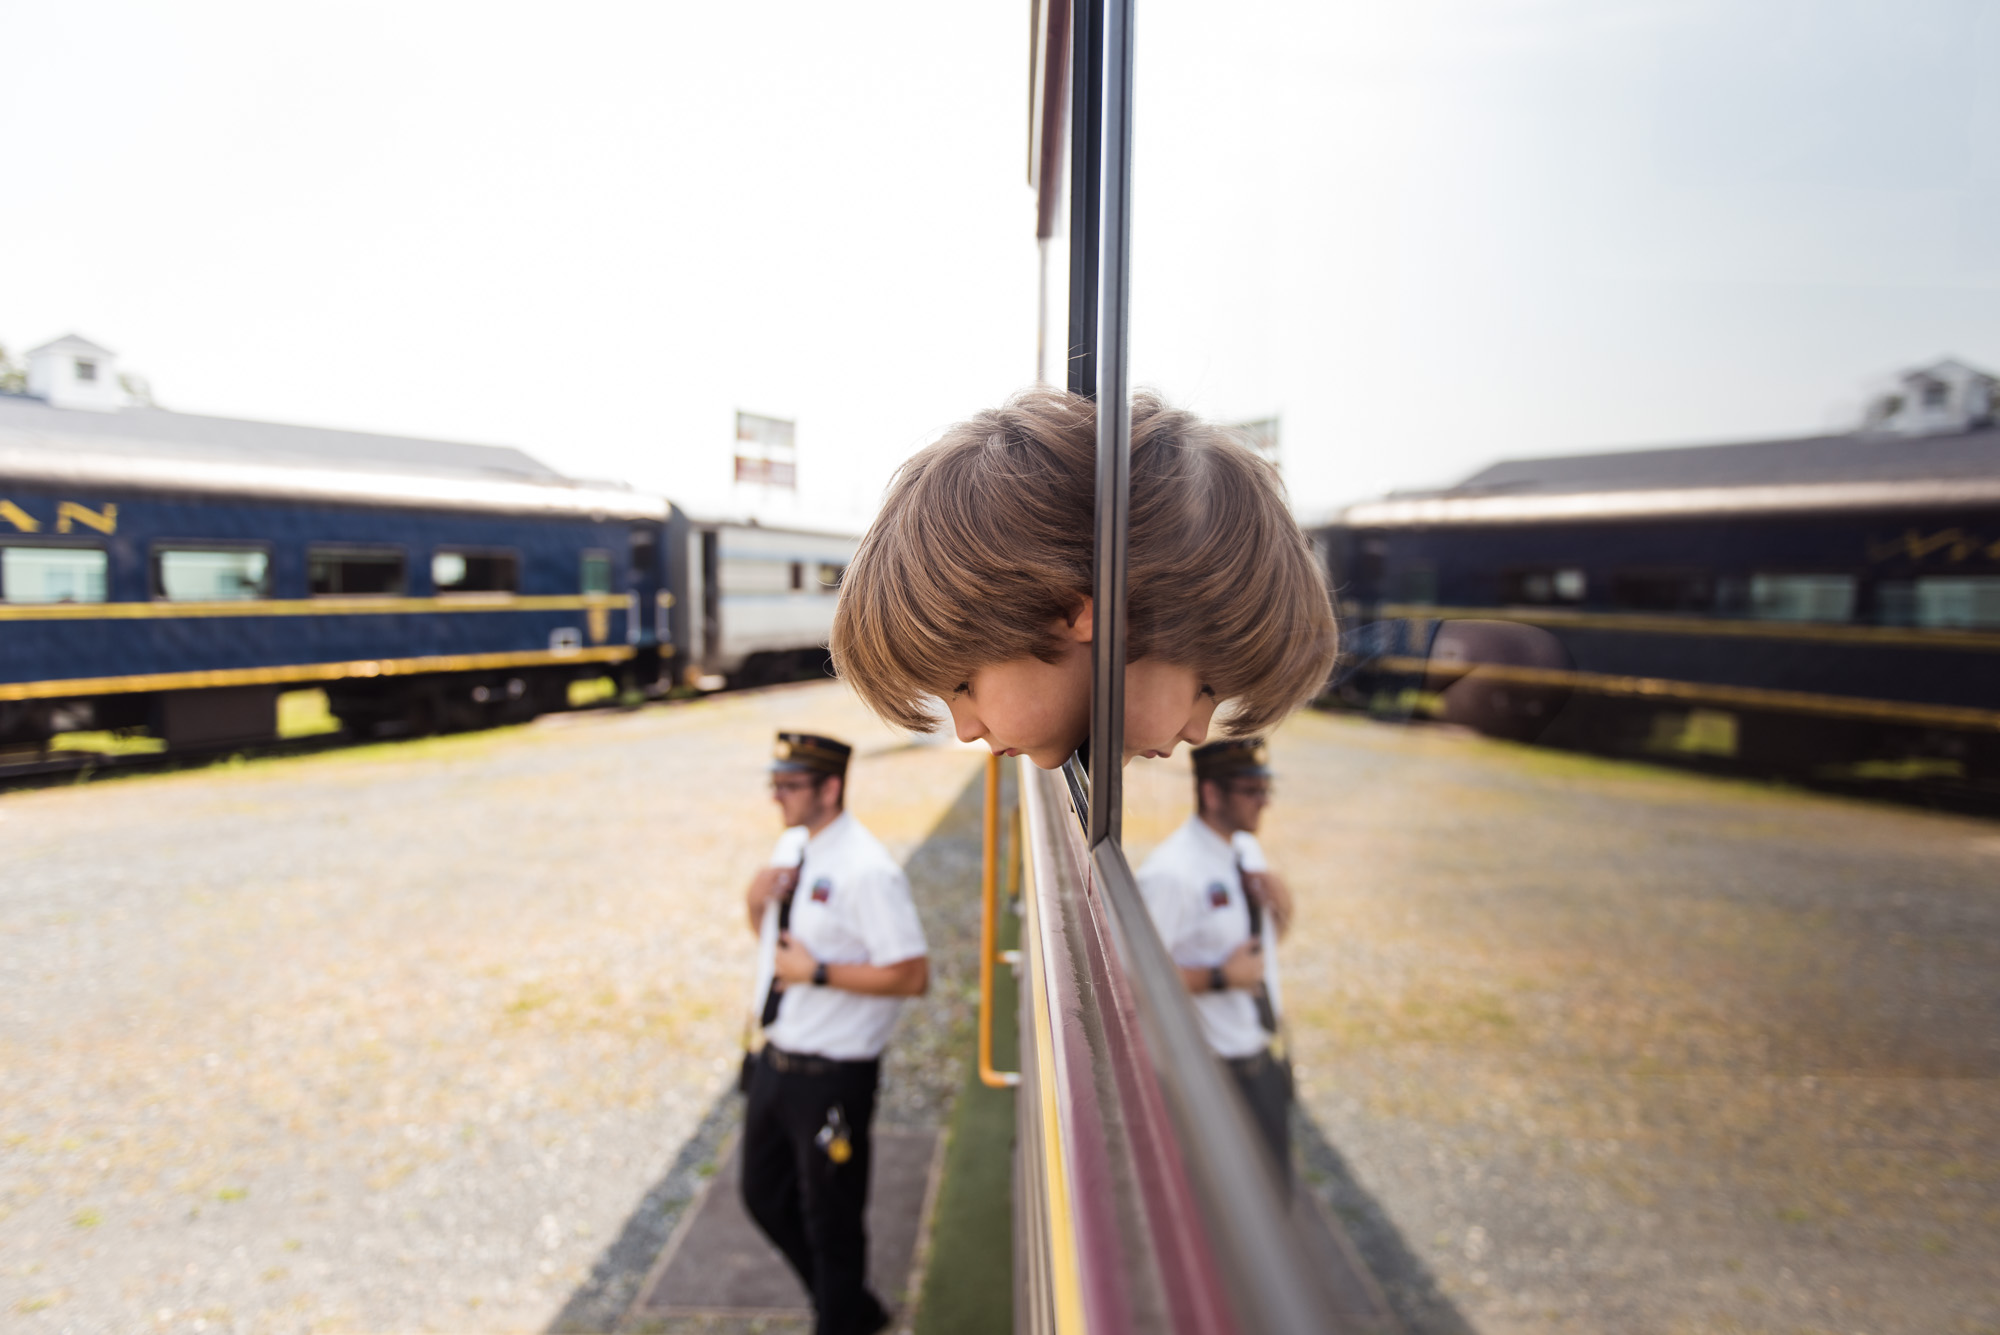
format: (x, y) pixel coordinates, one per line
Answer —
(1958, 600)
(798, 575)
(830, 576)
(1802, 597)
(336, 571)
(737, 575)
(1565, 584)
(37, 574)
(475, 572)
(645, 553)
(597, 572)
(1662, 590)
(210, 574)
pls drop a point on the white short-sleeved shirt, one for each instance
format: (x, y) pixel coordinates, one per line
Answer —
(852, 906)
(1194, 890)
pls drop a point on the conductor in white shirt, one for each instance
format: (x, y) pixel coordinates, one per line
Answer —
(1220, 911)
(839, 948)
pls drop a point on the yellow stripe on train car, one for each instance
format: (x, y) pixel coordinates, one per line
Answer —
(325, 605)
(307, 672)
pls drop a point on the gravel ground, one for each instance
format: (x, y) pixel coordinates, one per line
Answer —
(1597, 1047)
(401, 1037)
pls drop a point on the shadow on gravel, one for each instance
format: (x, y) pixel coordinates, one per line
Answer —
(615, 1277)
(1420, 1306)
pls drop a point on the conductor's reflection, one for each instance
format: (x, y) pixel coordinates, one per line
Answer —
(1220, 911)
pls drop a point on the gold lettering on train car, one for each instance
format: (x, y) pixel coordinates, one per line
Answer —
(104, 521)
(600, 624)
(1916, 546)
(19, 518)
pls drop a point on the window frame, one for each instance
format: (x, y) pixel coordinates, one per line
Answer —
(156, 586)
(60, 544)
(511, 554)
(583, 561)
(397, 550)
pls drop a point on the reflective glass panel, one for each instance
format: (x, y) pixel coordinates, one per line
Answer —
(52, 574)
(211, 575)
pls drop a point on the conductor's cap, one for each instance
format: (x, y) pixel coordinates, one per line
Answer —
(1234, 758)
(803, 753)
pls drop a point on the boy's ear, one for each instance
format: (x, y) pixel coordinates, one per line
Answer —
(1077, 625)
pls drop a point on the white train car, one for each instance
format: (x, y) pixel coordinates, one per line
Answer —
(759, 601)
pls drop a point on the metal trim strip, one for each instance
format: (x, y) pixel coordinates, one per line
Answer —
(1583, 507)
(326, 605)
(304, 672)
(1065, 1270)
(52, 459)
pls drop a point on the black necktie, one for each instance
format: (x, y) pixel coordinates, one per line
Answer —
(1261, 994)
(775, 994)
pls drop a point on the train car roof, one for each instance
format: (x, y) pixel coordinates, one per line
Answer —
(1802, 475)
(151, 449)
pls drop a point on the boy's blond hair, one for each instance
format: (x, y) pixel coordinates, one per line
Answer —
(985, 541)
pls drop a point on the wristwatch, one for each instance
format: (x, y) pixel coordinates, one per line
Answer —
(1216, 982)
(819, 974)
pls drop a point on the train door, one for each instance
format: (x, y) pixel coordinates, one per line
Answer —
(643, 585)
(711, 600)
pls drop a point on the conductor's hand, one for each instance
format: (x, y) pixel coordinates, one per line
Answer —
(769, 884)
(1245, 965)
(1270, 891)
(795, 964)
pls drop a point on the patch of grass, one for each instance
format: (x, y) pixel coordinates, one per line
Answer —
(969, 1279)
(591, 691)
(121, 742)
(232, 1193)
(305, 714)
(86, 1218)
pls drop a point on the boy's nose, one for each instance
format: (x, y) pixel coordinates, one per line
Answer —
(966, 724)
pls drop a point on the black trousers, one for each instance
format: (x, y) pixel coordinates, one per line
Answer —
(1266, 1082)
(808, 1205)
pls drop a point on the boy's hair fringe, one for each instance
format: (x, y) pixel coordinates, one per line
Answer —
(985, 541)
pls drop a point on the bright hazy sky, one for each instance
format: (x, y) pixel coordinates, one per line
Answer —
(1428, 234)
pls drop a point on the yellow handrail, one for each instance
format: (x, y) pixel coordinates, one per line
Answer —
(989, 896)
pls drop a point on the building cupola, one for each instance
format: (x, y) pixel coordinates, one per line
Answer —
(73, 372)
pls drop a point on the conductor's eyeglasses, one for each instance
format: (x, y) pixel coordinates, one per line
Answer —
(1257, 788)
(793, 785)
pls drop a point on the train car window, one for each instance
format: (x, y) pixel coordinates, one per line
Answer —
(798, 575)
(1958, 600)
(337, 571)
(745, 576)
(211, 574)
(1565, 584)
(1663, 590)
(1802, 597)
(645, 555)
(34, 573)
(830, 576)
(475, 572)
(597, 572)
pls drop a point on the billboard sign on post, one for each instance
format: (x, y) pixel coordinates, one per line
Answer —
(766, 451)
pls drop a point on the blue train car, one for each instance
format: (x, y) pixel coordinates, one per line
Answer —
(1825, 605)
(177, 572)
